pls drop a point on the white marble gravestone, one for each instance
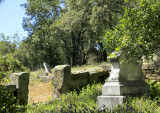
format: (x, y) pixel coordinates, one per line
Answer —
(47, 68)
(125, 79)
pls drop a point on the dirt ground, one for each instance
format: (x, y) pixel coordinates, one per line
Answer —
(40, 92)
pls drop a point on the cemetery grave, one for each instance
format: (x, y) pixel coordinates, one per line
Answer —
(41, 87)
(41, 91)
(125, 79)
(44, 89)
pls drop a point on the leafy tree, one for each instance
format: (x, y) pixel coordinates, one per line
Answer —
(83, 23)
(8, 44)
(41, 15)
(76, 31)
(105, 15)
(138, 32)
(8, 63)
(70, 31)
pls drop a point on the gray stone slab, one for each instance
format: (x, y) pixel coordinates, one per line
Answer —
(47, 79)
(110, 102)
(124, 88)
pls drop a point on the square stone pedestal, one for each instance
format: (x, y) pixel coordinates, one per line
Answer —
(110, 102)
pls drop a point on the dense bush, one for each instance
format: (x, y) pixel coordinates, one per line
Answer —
(8, 65)
(6, 100)
(154, 93)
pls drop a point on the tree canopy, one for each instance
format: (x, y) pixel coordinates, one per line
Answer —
(69, 29)
(76, 31)
(138, 32)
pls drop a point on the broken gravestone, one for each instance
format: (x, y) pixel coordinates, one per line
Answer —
(125, 79)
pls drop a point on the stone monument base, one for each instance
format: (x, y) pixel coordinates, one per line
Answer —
(115, 93)
(110, 102)
(116, 88)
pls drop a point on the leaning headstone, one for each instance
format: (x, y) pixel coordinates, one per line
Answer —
(47, 67)
(21, 80)
(125, 79)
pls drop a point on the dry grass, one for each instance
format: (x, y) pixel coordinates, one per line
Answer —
(40, 92)
(87, 67)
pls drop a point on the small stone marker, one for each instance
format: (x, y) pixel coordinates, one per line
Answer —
(47, 67)
(125, 79)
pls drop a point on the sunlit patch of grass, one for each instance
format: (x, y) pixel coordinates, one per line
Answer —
(37, 72)
(82, 68)
(88, 67)
(39, 91)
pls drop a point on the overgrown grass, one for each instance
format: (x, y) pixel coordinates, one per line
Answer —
(85, 101)
(147, 103)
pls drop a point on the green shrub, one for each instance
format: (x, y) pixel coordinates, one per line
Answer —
(154, 93)
(138, 105)
(148, 103)
(85, 101)
(7, 100)
(8, 65)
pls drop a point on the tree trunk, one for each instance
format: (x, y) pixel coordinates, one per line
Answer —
(74, 57)
(104, 54)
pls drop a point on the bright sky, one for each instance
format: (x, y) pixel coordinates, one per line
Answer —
(11, 17)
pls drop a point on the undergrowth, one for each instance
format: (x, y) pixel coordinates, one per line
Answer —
(71, 102)
(85, 101)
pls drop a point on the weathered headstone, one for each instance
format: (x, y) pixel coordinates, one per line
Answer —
(125, 79)
(21, 80)
(47, 67)
(62, 80)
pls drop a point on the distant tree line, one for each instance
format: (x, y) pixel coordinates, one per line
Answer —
(76, 32)
(68, 31)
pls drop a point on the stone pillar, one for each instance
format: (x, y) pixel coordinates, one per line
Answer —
(62, 80)
(125, 79)
(21, 80)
